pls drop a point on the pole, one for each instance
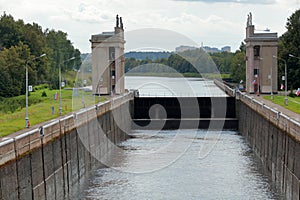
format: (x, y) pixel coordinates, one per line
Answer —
(272, 97)
(27, 124)
(60, 94)
(60, 97)
(26, 116)
(258, 75)
(285, 77)
(82, 89)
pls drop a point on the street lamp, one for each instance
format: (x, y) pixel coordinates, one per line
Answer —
(271, 74)
(291, 55)
(285, 79)
(26, 67)
(257, 77)
(60, 97)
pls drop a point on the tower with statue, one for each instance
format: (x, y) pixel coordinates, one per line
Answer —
(108, 61)
(261, 60)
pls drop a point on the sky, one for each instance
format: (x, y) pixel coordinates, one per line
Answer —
(155, 24)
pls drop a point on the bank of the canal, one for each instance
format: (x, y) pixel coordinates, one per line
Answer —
(50, 162)
(274, 136)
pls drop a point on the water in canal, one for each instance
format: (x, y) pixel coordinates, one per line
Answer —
(182, 164)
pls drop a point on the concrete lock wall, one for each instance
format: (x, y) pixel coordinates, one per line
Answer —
(50, 162)
(274, 137)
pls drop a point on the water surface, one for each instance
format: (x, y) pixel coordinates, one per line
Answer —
(215, 165)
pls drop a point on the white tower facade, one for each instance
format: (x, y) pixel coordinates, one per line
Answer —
(108, 61)
(261, 66)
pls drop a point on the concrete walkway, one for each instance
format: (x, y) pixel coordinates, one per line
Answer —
(287, 112)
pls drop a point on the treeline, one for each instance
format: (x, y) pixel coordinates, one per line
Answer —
(20, 44)
(147, 55)
(195, 61)
(191, 61)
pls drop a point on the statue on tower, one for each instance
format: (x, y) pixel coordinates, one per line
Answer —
(121, 23)
(117, 21)
(249, 20)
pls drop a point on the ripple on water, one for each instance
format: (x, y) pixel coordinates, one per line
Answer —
(228, 171)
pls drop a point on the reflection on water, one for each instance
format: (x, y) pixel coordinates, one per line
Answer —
(164, 86)
(216, 165)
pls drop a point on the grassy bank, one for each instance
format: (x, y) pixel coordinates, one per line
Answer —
(40, 109)
(293, 103)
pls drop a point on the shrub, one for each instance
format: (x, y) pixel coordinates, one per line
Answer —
(292, 94)
(41, 87)
(44, 94)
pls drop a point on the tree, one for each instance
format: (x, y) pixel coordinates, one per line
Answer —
(20, 42)
(12, 68)
(61, 50)
(10, 31)
(290, 44)
(238, 68)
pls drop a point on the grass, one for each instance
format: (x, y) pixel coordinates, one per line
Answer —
(215, 75)
(293, 103)
(42, 111)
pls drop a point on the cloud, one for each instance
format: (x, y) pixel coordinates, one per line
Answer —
(89, 13)
(234, 1)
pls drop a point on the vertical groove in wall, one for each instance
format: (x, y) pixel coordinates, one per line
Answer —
(62, 158)
(77, 156)
(89, 164)
(31, 182)
(67, 183)
(54, 171)
(16, 163)
(43, 164)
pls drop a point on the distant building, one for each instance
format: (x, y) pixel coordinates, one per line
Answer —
(184, 48)
(211, 49)
(216, 50)
(261, 66)
(108, 61)
(226, 49)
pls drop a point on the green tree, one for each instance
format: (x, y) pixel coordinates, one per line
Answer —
(238, 67)
(13, 70)
(10, 31)
(290, 44)
(61, 50)
(21, 42)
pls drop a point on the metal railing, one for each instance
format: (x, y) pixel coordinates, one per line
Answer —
(13, 148)
(279, 119)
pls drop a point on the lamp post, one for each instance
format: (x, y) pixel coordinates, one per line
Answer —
(26, 67)
(291, 55)
(285, 79)
(258, 75)
(271, 77)
(60, 97)
(82, 91)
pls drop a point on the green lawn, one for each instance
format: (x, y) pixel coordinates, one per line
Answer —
(41, 112)
(293, 103)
